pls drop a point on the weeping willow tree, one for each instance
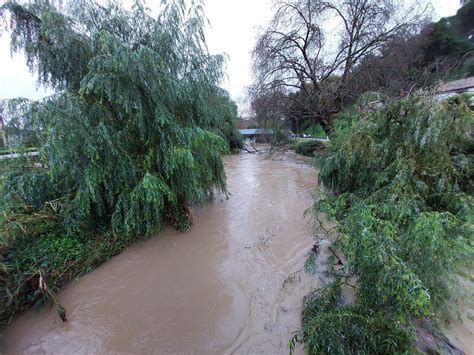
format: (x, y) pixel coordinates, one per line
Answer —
(402, 194)
(133, 137)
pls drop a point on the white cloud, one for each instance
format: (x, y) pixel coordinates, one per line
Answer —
(15, 78)
(444, 8)
(234, 25)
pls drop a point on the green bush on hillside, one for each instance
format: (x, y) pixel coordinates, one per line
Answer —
(343, 122)
(315, 130)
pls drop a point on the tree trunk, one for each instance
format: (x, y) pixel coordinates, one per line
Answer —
(4, 134)
(328, 124)
(4, 138)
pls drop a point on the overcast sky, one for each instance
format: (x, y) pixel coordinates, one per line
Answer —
(233, 30)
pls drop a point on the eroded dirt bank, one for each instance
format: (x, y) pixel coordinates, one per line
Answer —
(222, 287)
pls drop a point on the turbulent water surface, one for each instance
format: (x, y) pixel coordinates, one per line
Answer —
(232, 284)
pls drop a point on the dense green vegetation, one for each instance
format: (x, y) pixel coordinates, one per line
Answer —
(314, 130)
(403, 196)
(132, 139)
(450, 40)
(332, 327)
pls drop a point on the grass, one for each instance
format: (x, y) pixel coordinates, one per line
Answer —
(44, 249)
(34, 246)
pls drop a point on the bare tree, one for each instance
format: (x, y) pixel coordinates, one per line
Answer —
(313, 46)
(280, 108)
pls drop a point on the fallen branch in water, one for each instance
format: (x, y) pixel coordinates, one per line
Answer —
(338, 258)
(253, 146)
(45, 289)
(255, 150)
(248, 151)
(292, 277)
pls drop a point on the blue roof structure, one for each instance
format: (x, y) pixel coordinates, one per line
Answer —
(255, 131)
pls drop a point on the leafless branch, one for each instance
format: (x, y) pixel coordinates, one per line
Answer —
(312, 46)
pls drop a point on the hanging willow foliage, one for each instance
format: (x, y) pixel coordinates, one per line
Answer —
(403, 189)
(137, 133)
(133, 136)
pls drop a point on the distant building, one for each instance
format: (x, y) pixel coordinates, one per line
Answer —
(458, 86)
(452, 88)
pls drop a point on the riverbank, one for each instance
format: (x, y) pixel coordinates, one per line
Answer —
(234, 282)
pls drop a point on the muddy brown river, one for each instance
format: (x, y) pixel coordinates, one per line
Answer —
(233, 284)
(221, 288)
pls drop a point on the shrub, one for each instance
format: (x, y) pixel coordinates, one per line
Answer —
(332, 327)
(309, 148)
(315, 130)
(345, 122)
(402, 184)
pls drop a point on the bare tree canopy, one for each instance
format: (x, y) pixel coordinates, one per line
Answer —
(313, 45)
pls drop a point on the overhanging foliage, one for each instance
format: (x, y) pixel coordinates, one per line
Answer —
(133, 137)
(403, 196)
